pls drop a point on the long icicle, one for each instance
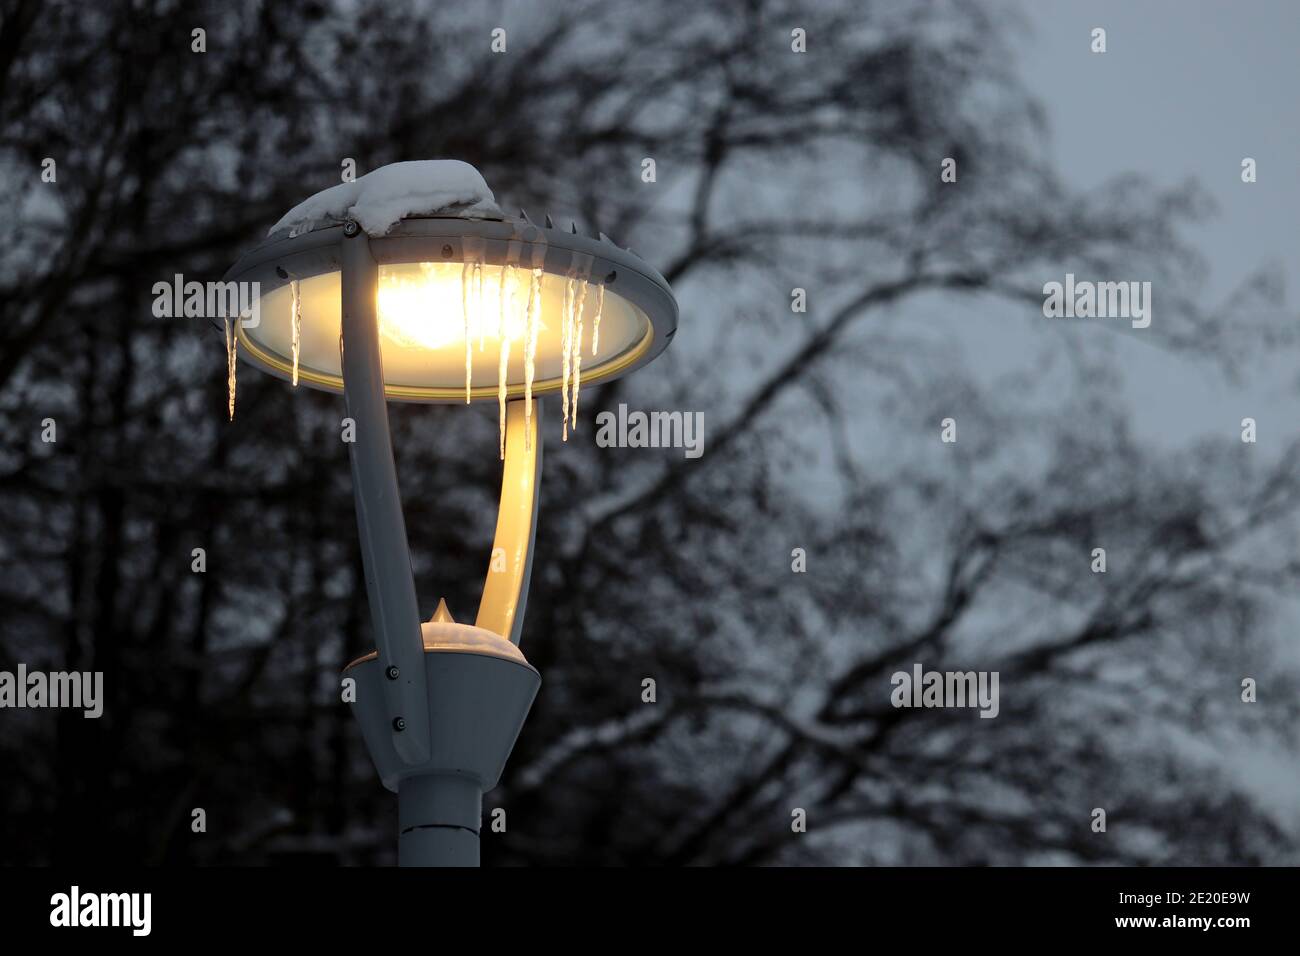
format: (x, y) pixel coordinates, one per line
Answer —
(566, 330)
(530, 352)
(478, 295)
(232, 345)
(297, 328)
(577, 349)
(503, 367)
(465, 282)
(595, 324)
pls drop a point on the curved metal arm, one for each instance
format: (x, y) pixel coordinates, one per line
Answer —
(505, 592)
(390, 585)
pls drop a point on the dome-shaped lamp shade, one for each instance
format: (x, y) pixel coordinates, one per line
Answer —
(447, 283)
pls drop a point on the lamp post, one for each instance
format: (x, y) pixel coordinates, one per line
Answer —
(456, 304)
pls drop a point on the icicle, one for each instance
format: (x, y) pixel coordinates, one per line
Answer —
(501, 301)
(595, 324)
(478, 296)
(466, 280)
(297, 327)
(566, 331)
(530, 351)
(576, 343)
(507, 277)
(232, 345)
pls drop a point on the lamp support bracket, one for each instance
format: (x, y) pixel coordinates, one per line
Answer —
(386, 557)
(505, 591)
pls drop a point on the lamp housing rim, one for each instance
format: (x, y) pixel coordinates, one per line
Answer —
(283, 258)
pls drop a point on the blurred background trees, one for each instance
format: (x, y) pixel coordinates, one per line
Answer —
(775, 171)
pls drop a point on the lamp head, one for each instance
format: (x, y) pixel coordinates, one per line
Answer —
(454, 278)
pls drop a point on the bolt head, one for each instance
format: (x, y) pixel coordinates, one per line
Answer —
(399, 724)
(350, 228)
(392, 672)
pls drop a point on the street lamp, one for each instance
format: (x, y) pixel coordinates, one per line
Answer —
(410, 285)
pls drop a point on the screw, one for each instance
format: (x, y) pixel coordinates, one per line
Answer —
(447, 251)
(392, 672)
(399, 724)
(350, 228)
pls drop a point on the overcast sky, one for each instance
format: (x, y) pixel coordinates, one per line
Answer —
(1187, 88)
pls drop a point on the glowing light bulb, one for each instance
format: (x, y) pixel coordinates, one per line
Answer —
(423, 306)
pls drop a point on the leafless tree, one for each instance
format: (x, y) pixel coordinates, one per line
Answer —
(775, 170)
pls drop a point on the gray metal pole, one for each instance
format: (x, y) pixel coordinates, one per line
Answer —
(438, 816)
(390, 585)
